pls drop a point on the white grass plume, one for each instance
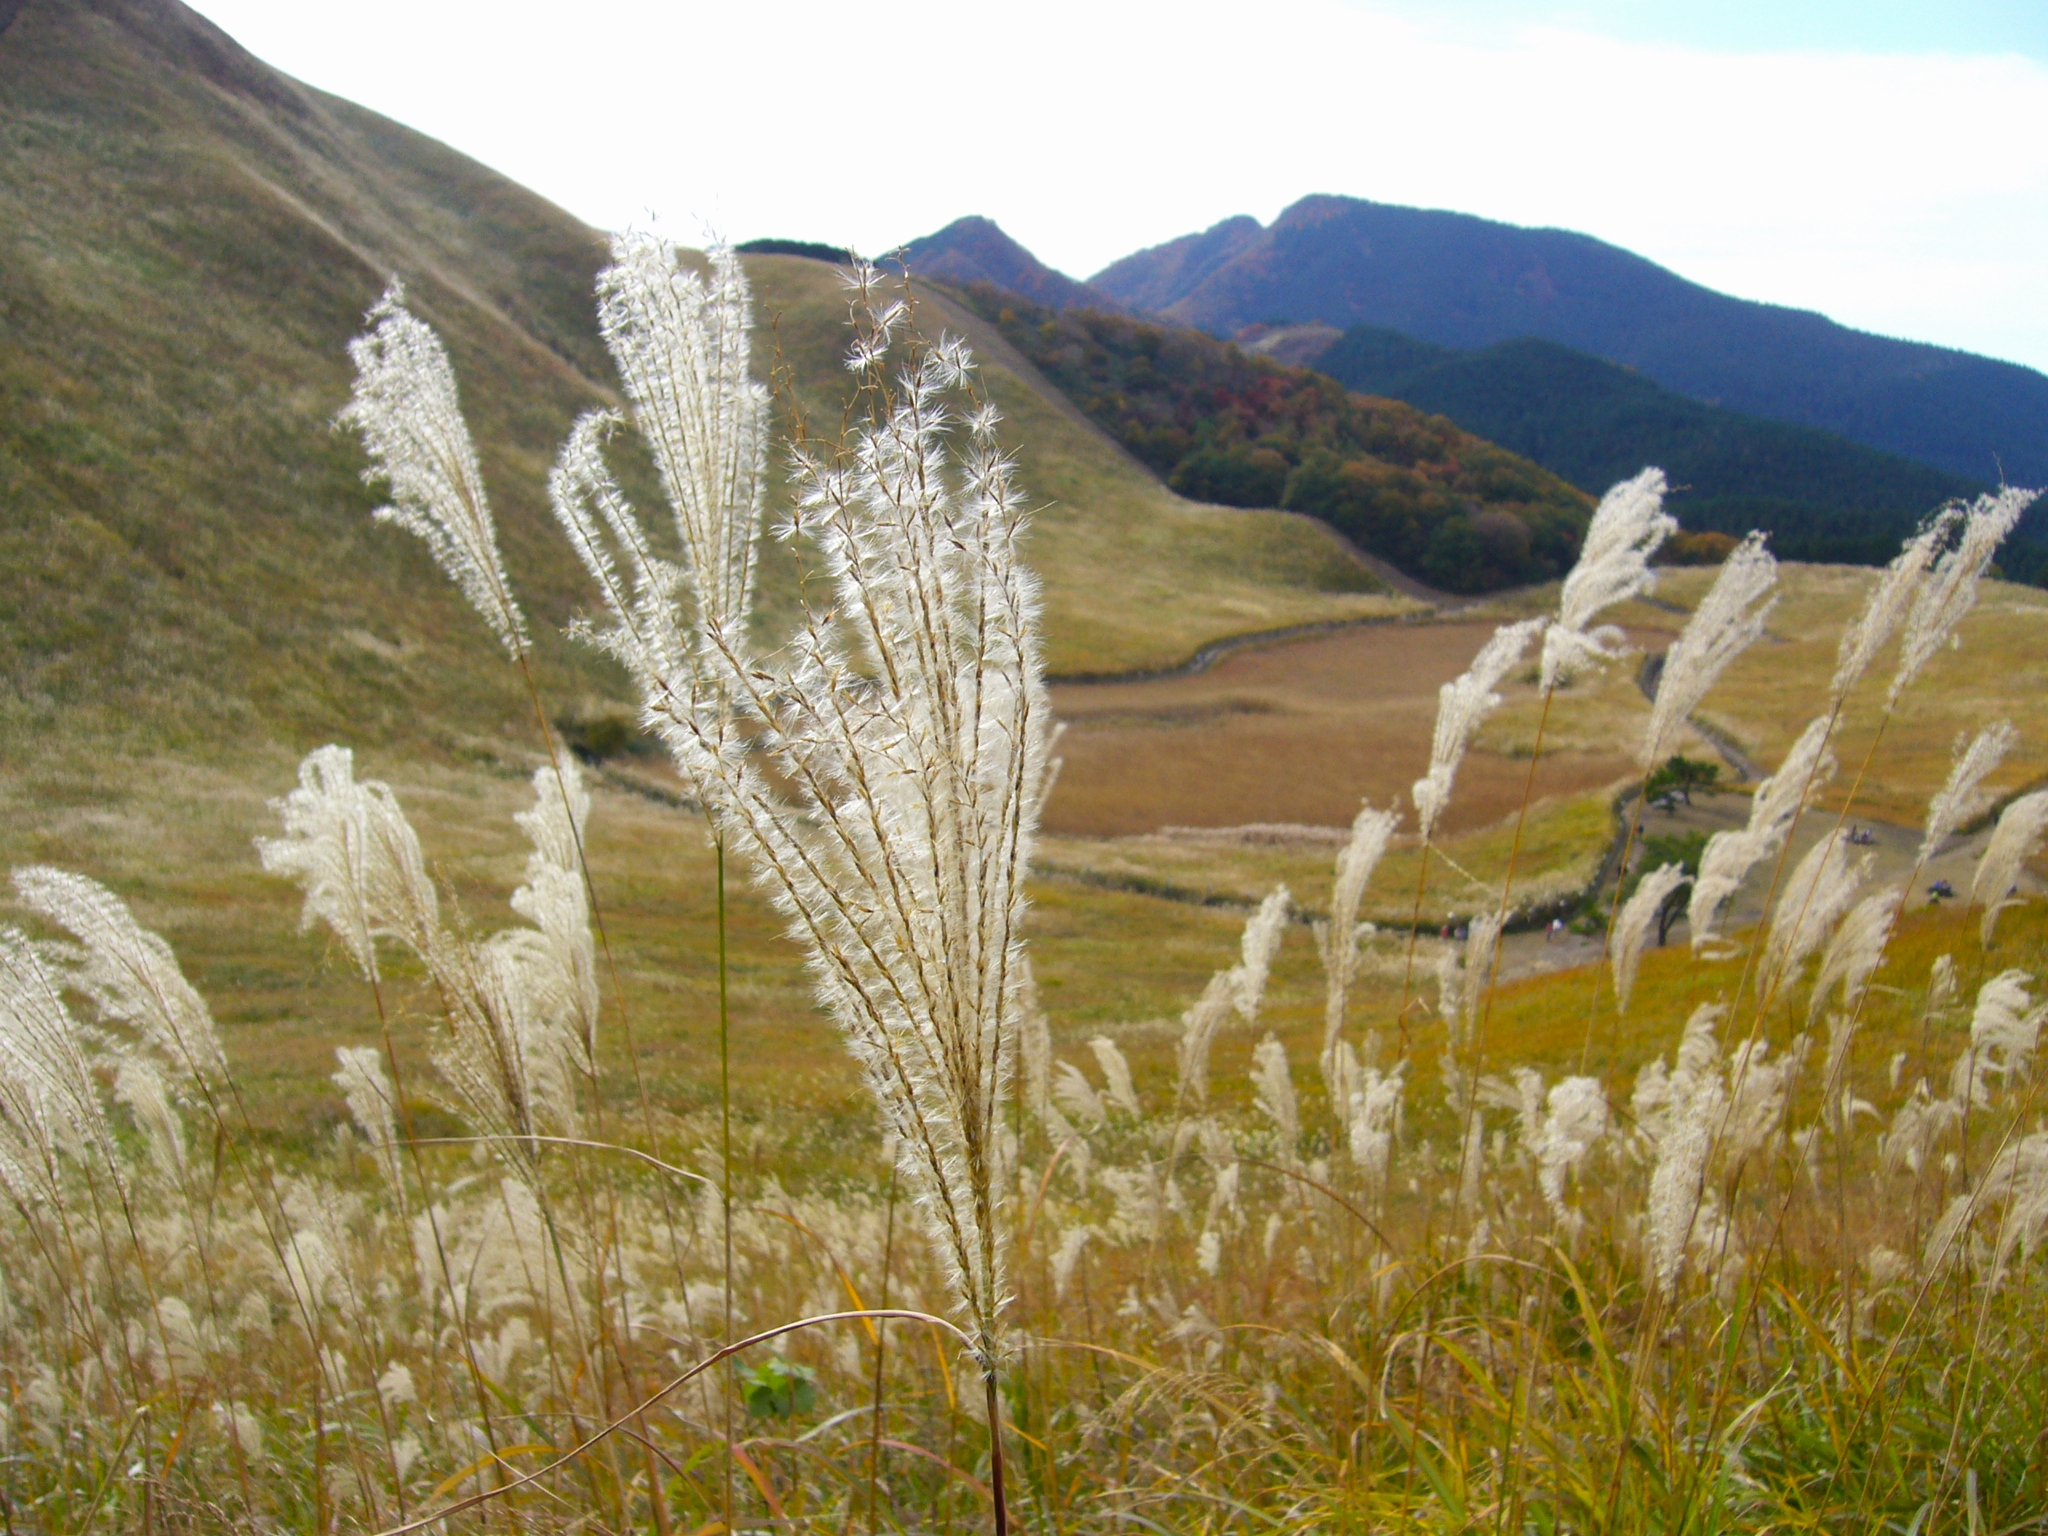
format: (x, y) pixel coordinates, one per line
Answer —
(1678, 1113)
(372, 1101)
(1613, 566)
(1963, 795)
(1116, 1075)
(1633, 923)
(1729, 620)
(1855, 950)
(140, 1085)
(129, 973)
(406, 408)
(1816, 895)
(909, 724)
(356, 857)
(1729, 856)
(1463, 972)
(1338, 938)
(1372, 1104)
(1076, 1096)
(1575, 1118)
(563, 968)
(2005, 1025)
(1273, 1092)
(1462, 704)
(2016, 839)
(1885, 608)
(520, 1006)
(680, 342)
(1239, 990)
(1949, 591)
(50, 1110)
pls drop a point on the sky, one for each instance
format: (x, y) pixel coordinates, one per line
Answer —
(1884, 163)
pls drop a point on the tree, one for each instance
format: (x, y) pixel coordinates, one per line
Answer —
(1680, 775)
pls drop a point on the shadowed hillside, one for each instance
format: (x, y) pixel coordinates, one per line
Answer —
(1821, 496)
(1459, 281)
(1225, 425)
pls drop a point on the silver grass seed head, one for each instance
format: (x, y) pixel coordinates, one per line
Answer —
(1116, 1074)
(2016, 839)
(1949, 591)
(906, 730)
(49, 1099)
(129, 973)
(352, 850)
(1889, 600)
(367, 1090)
(1262, 936)
(1818, 894)
(1574, 1121)
(2005, 1026)
(1729, 619)
(1462, 705)
(1273, 1092)
(406, 407)
(1633, 923)
(681, 342)
(139, 1085)
(1773, 808)
(1963, 795)
(1613, 566)
(1338, 940)
(1855, 950)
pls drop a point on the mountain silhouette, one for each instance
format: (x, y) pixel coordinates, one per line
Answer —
(1465, 282)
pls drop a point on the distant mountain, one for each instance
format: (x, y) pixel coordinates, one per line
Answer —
(975, 250)
(1466, 282)
(810, 250)
(1822, 496)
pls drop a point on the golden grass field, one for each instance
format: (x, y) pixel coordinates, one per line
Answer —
(1124, 923)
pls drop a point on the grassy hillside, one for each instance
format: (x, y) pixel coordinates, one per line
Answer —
(1822, 496)
(1460, 281)
(188, 239)
(1224, 425)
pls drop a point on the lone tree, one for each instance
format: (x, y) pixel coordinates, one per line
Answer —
(1680, 775)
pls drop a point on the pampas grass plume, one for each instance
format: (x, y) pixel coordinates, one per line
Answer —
(1613, 566)
(1462, 704)
(2016, 839)
(1729, 619)
(1729, 856)
(1950, 590)
(1963, 795)
(406, 407)
(1633, 923)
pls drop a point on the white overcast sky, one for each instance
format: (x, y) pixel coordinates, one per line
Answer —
(1883, 161)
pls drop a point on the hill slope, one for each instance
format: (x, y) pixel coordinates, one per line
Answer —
(187, 241)
(1465, 282)
(1822, 496)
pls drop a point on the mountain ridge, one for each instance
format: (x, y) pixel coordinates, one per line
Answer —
(975, 249)
(1460, 281)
